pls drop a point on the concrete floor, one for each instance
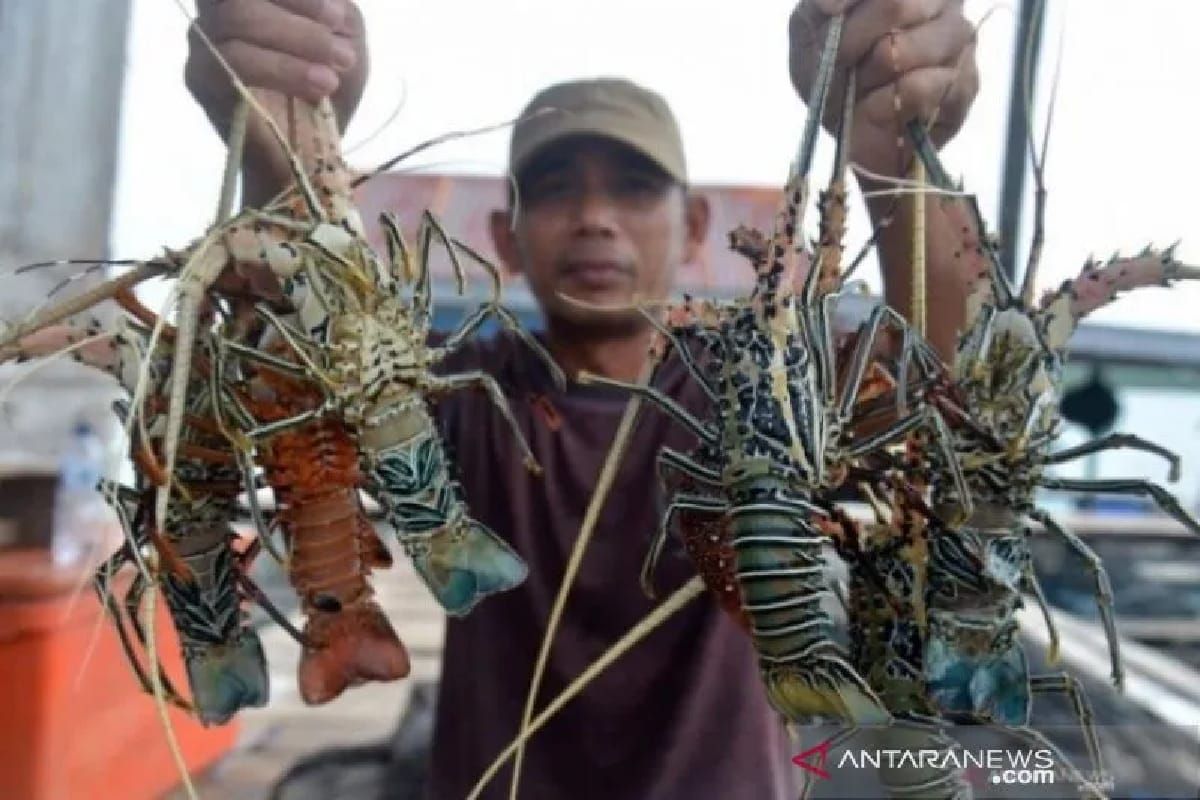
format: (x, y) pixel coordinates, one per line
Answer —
(275, 737)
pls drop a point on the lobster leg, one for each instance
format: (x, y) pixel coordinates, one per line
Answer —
(681, 502)
(1065, 767)
(666, 404)
(503, 315)
(1115, 441)
(133, 601)
(1034, 586)
(509, 321)
(931, 420)
(868, 335)
(1132, 486)
(676, 460)
(486, 382)
(1070, 686)
(465, 330)
(685, 355)
(259, 596)
(102, 583)
(1104, 594)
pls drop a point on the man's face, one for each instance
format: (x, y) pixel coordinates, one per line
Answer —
(601, 223)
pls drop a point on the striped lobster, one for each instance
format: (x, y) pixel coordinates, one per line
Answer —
(939, 629)
(780, 443)
(1005, 381)
(363, 344)
(198, 567)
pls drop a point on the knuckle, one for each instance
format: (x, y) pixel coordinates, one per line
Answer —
(965, 31)
(319, 42)
(893, 11)
(355, 23)
(884, 57)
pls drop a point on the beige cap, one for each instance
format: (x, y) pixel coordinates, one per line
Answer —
(610, 107)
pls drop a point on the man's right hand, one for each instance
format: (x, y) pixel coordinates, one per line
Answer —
(309, 49)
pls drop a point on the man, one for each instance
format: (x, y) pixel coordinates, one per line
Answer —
(606, 213)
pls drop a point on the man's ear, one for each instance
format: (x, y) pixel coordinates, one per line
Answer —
(697, 216)
(504, 240)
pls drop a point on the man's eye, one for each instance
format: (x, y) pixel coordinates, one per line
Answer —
(548, 186)
(640, 183)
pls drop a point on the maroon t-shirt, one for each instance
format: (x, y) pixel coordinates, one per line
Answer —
(682, 715)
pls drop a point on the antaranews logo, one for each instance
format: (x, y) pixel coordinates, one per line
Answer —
(1004, 766)
(813, 759)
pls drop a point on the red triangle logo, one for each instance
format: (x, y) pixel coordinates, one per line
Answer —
(813, 759)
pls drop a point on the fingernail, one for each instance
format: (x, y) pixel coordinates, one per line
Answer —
(334, 13)
(322, 79)
(344, 56)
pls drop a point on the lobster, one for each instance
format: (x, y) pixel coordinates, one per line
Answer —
(199, 570)
(364, 345)
(1005, 380)
(944, 641)
(780, 444)
(313, 471)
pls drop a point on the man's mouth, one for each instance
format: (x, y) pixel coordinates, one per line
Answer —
(596, 273)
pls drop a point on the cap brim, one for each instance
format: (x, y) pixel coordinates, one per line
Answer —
(645, 143)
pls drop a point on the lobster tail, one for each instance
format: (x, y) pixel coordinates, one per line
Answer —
(229, 677)
(464, 563)
(352, 645)
(781, 571)
(314, 472)
(460, 559)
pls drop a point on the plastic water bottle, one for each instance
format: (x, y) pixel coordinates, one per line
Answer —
(80, 512)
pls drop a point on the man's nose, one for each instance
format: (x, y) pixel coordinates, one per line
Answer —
(596, 212)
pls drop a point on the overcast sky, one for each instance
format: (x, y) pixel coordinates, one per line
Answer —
(1122, 166)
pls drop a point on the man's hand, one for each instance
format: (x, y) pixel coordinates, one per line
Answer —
(920, 52)
(309, 49)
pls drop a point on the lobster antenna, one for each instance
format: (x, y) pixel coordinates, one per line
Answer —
(685, 594)
(233, 152)
(608, 473)
(919, 293)
(387, 122)
(937, 175)
(245, 95)
(889, 214)
(442, 139)
(919, 298)
(832, 204)
(796, 198)
(1038, 160)
(160, 700)
(824, 78)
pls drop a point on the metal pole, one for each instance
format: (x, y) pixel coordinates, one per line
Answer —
(1016, 153)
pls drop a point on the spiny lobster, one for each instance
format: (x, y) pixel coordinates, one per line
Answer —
(200, 572)
(780, 443)
(364, 345)
(1005, 382)
(331, 546)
